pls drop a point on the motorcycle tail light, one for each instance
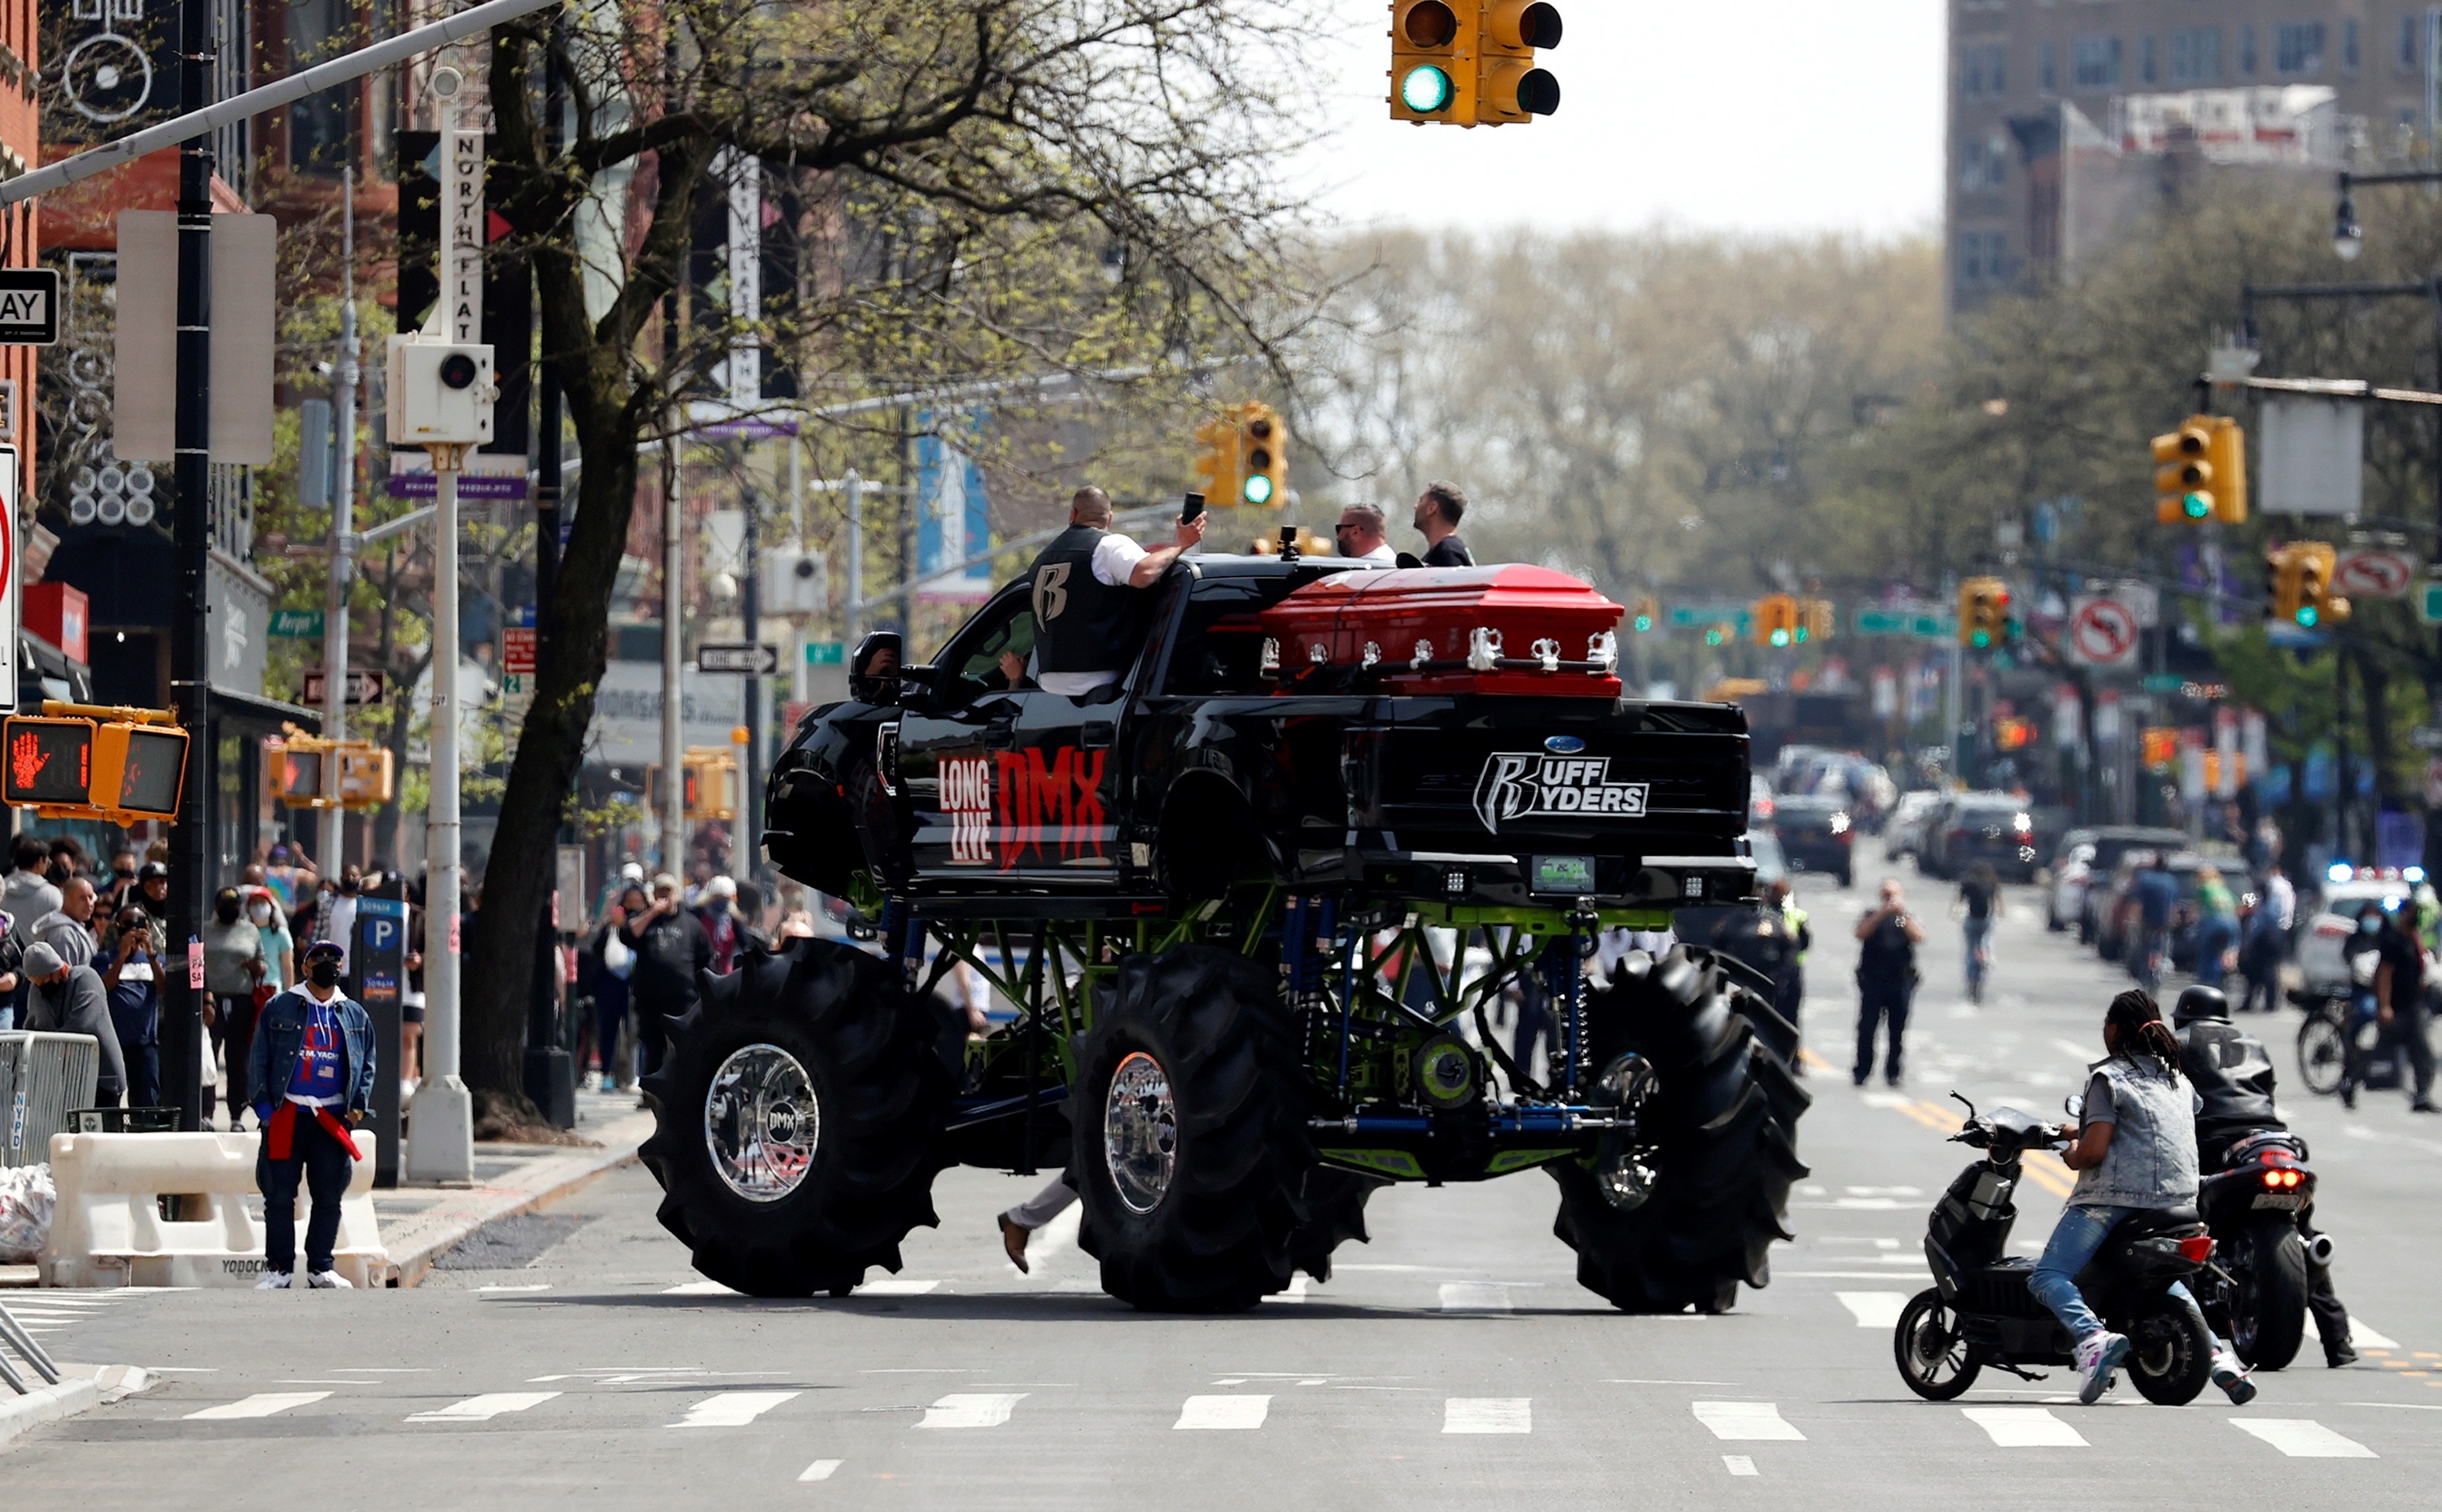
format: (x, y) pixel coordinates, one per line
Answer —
(2197, 1249)
(2272, 1179)
(2292, 1177)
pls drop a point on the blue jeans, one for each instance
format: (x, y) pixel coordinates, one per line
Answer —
(2214, 937)
(2075, 1240)
(1979, 945)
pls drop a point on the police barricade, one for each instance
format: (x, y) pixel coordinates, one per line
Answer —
(44, 1078)
(169, 1209)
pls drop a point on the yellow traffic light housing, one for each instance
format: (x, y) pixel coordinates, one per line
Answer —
(1216, 460)
(710, 773)
(77, 761)
(1645, 615)
(1776, 621)
(315, 773)
(1816, 619)
(1509, 88)
(1983, 613)
(2316, 607)
(2279, 585)
(2184, 476)
(2227, 455)
(1472, 63)
(1262, 458)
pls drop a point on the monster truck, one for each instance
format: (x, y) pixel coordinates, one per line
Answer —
(1208, 889)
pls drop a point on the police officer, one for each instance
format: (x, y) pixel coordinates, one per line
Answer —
(1087, 621)
(2233, 1078)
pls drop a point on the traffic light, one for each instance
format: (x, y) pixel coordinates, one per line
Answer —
(74, 761)
(2183, 474)
(1814, 619)
(1216, 460)
(2228, 457)
(1719, 634)
(1983, 613)
(2311, 562)
(1646, 614)
(313, 773)
(2281, 585)
(1472, 63)
(1263, 457)
(1776, 621)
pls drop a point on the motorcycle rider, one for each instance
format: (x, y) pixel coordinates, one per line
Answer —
(2134, 1150)
(2233, 1076)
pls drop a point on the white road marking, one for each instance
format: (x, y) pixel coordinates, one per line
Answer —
(485, 1407)
(540, 1286)
(1295, 1293)
(1474, 1297)
(1873, 1309)
(2076, 1052)
(2303, 1438)
(2024, 1428)
(730, 1409)
(1234, 1412)
(821, 1469)
(1737, 1463)
(972, 1409)
(897, 1288)
(1865, 1203)
(1885, 1100)
(1884, 1191)
(262, 1404)
(1488, 1415)
(1047, 1242)
(700, 1288)
(2363, 1333)
(1744, 1420)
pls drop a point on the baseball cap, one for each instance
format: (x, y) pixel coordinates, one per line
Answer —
(152, 869)
(721, 888)
(322, 948)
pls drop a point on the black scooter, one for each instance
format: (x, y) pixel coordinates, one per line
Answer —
(2253, 1205)
(1978, 1311)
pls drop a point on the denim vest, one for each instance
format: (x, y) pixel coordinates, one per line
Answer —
(2152, 1161)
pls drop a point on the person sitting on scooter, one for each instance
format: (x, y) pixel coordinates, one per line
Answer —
(2134, 1150)
(2232, 1076)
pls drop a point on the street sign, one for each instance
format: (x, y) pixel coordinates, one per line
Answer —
(29, 306)
(366, 685)
(753, 660)
(1704, 616)
(517, 643)
(2428, 601)
(297, 623)
(826, 653)
(1923, 624)
(2373, 572)
(2101, 632)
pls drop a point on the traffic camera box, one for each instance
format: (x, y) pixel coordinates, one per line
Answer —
(1512, 630)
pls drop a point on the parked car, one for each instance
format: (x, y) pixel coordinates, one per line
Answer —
(1905, 834)
(1760, 804)
(1995, 828)
(1816, 835)
(2117, 929)
(2323, 958)
(2083, 865)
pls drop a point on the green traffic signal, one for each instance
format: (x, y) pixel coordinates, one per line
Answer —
(1425, 89)
(1713, 636)
(1801, 634)
(2195, 505)
(1781, 637)
(1645, 622)
(1258, 489)
(1981, 639)
(2307, 615)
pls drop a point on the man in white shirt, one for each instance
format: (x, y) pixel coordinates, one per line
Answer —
(1359, 536)
(1088, 612)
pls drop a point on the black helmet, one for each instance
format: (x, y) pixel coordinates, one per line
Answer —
(2200, 1003)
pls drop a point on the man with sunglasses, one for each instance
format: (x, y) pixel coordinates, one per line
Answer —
(1359, 536)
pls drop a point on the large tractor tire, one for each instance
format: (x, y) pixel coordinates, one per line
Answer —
(1334, 1207)
(1192, 1151)
(797, 1121)
(1681, 1210)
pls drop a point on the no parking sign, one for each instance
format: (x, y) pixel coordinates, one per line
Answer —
(2101, 632)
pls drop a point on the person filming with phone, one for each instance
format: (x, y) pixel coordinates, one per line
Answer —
(1089, 614)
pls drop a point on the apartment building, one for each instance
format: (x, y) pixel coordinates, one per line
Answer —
(2061, 113)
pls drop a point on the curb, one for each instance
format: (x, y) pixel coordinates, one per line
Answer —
(83, 1388)
(556, 1179)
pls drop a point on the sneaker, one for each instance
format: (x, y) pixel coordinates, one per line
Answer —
(2230, 1376)
(329, 1280)
(609, 1084)
(274, 1281)
(2344, 1355)
(2098, 1356)
(2423, 1108)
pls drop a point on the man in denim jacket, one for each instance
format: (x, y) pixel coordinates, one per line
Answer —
(311, 1068)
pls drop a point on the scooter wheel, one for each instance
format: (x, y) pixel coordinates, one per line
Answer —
(2170, 1352)
(1931, 1346)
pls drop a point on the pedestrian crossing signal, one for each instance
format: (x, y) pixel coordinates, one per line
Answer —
(75, 761)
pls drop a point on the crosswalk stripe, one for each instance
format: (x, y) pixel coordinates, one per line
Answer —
(1474, 1297)
(1739, 1463)
(821, 1469)
(972, 1409)
(262, 1404)
(2367, 1338)
(897, 1288)
(2024, 1428)
(1488, 1415)
(1744, 1420)
(485, 1407)
(1234, 1412)
(1295, 1293)
(2303, 1438)
(700, 1288)
(1873, 1309)
(730, 1409)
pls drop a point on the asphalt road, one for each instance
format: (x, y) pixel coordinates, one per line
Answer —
(1452, 1361)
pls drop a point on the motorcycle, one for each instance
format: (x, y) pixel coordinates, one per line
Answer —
(1979, 1312)
(2253, 1208)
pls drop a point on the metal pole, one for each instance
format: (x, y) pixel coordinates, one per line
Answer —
(441, 1136)
(854, 612)
(750, 606)
(331, 852)
(183, 1045)
(673, 684)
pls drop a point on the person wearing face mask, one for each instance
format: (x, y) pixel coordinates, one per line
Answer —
(2399, 999)
(312, 1065)
(233, 965)
(279, 945)
(719, 916)
(64, 999)
(132, 981)
(122, 883)
(336, 924)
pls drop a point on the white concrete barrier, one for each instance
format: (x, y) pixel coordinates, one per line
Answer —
(109, 1230)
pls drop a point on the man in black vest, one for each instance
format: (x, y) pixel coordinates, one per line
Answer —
(1086, 611)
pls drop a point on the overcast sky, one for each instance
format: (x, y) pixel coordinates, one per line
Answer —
(1735, 115)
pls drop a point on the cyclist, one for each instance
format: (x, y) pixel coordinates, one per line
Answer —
(1980, 897)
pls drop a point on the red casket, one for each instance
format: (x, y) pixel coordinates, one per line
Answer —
(1448, 629)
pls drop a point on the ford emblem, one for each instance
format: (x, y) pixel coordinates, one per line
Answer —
(1563, 744)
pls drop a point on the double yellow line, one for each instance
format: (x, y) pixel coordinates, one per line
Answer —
(2042, 1167)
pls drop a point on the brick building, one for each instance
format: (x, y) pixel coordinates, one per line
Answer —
(21, 139)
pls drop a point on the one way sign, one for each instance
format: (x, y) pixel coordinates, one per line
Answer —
(29, 306)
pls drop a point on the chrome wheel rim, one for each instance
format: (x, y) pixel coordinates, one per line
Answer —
(1629, 1161)
(1140, 1132)
(761, 1122)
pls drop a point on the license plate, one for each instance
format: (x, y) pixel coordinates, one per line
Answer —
(2287, 1201)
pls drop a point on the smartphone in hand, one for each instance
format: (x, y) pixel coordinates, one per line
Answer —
(1193, 510)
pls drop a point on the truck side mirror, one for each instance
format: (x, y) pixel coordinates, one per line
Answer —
(874, 672)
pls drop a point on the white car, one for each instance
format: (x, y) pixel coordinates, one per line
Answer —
(2071, 872)
(1904, 834)
(2323, 959)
